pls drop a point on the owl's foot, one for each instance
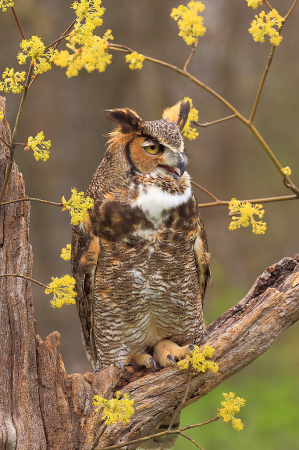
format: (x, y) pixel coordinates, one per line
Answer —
(143, 359)
(167, 352)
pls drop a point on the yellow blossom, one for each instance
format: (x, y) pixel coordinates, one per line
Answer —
(78, 206)
(12, 81)
(197, 360)
(63, 290)
(116, 410)
(1, 115)
(4, 4)
(188, 132)
(189, 22)
(231, 406)
(254, 3)
(259, 27)
(286, 171)
(135, 59)
(92, 55)
(89, 11)
(35, 49)
(66, 252)
(245, 212)
(39, 146)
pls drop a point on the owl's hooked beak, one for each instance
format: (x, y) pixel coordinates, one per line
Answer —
(177, 167)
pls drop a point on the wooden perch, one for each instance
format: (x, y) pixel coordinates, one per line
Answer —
(43, 408)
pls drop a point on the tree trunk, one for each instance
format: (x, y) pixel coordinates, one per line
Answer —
(41, 407)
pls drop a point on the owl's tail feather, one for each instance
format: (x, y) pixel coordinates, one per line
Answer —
(164, 442)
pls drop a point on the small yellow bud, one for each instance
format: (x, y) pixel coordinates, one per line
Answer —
(66, 252)
(286, 171)
(231, 405)
(63, 290)
(115, 410)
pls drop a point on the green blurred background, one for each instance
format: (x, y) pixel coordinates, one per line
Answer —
(225, 158)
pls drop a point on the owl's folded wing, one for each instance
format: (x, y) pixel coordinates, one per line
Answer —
(85, 254)
(202, 257)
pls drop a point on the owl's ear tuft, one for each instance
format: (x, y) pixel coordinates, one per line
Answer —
(127, 119)
(178, 113)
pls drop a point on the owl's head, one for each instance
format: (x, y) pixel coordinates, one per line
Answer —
(154, 147)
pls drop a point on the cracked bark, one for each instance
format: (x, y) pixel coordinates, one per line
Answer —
(42, 407)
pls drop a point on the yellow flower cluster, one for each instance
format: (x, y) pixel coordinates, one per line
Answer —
(77, 206)
(86, 49)
(63, 290)
(1, 115)
(115, 410)
(4, 4)
(197, 360)
(66, 252)
(245, 212)
(135, 59)
(12, 81)
(260, 27)
(35, 49)
(254, 3)
(189, 22)
(39, 146)
(231, 406)
(188, 132)
(286, 171)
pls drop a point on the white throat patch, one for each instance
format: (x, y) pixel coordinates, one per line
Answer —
(152, 200)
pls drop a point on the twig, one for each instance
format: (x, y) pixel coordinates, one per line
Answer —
(192, 440)
(182, 403)
(215, 121)
(16, 275)
(14, 134)
(205, 190)
(163, 433)
(57, 41)
(29, 199)
(291, 9)
(192, 53)
(268, 4)
(255, 200)
(18, 22)
(98, 438)
(4, 142)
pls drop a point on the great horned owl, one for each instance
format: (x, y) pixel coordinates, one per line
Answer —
(141, 259)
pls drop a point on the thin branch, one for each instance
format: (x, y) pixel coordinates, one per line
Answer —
(16, 275)
(268, 64)
(182, 403)
(205, 190)
(255, 200)
(163, 433)
(291, 9)
(29, 199)
(190, 57)
(268, 4)
(262, 83)
(18, 22)
(215, 121)
(192, 440)
(57, 41)
(4, 142)
(14, 134)
(98, 438)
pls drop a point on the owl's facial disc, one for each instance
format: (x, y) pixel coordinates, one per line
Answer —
(169, 160)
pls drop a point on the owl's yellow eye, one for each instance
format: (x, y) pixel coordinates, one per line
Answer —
(152, 149)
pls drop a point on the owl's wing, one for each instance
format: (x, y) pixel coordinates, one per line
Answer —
(85, 254)
(202, 257)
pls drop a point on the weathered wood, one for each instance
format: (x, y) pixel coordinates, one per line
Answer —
(41, 407)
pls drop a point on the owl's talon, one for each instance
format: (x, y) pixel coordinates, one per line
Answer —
(192, 348)
(171, 358)
(153, 363)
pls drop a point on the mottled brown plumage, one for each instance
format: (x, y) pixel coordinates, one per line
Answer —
(141, 260)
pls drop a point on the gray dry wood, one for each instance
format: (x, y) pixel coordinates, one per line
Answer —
(41, 407)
